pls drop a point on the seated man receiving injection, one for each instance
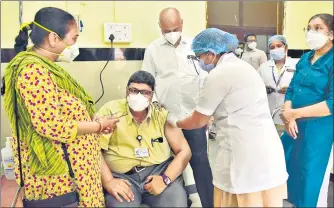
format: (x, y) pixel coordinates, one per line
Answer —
(138, 166)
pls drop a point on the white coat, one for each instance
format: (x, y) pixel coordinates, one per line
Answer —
(276, 80)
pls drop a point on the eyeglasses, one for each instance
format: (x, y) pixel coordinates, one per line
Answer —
(317, 28)
(133, 90)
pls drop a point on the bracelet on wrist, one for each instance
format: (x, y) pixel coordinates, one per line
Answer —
(101, 125)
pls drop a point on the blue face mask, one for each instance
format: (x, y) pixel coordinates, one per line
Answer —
(277, 54)
(207, 67)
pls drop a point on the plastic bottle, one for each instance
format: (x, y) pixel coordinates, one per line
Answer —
(8, 159)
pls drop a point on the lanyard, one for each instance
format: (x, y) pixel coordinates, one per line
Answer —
(279, 78)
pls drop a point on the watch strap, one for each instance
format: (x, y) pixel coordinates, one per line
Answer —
(166, 179)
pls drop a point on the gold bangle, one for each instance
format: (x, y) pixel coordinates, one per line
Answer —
(101, 125)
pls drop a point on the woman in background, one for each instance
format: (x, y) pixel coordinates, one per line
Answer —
(50, 116)
(308, 117)
(276, 74)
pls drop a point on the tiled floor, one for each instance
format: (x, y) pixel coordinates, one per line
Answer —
(8, 190)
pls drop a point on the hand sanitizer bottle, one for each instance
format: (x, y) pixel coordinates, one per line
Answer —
(8, 159)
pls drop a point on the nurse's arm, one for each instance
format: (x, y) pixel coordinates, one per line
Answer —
(195, 121)
(216, 87)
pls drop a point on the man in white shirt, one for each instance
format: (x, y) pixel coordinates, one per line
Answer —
(277, 74)
(252, 55)
(178, 81)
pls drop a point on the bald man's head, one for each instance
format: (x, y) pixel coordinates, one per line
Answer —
(170, 20)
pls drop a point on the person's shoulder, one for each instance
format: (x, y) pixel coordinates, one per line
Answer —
(187, 39)
(265, 65)
(234, 62)
(32, 66)
(260, 51)
(292, 62)
(115, 106)
(306, 55)
(155, 43)
(158, 114)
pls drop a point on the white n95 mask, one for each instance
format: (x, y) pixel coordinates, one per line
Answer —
(69, 53)
(316, 40)
(172, 37)
(252, 45)
(137, 102)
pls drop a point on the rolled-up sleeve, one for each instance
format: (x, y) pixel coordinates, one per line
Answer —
(40, 96)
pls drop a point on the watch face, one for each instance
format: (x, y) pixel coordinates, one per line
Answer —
(166, 180)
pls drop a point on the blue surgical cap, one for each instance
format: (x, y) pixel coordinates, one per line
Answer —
(275, 38)
(215, 41)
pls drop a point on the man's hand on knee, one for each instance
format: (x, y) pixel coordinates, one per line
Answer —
(119, 187)
(155, 185)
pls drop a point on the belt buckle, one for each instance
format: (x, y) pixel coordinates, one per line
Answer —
(139, 170)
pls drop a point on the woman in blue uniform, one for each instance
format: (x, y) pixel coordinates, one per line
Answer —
(308, 118)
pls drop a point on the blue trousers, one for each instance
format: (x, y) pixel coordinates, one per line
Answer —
(200, 165)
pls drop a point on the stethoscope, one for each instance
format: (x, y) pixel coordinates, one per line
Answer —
(193, 58)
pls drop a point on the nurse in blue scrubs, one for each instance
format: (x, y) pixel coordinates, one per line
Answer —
(308, 118)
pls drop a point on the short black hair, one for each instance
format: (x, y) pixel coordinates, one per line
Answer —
(54, 19)
(249, 35)
(142, 77)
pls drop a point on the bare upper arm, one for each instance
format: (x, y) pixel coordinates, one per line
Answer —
(176, 139)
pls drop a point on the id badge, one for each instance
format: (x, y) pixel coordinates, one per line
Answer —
(141, 152)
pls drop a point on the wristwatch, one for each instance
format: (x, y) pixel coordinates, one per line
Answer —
(166, 179)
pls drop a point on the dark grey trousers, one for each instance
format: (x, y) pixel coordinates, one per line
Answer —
(200, 165)
(173, 196)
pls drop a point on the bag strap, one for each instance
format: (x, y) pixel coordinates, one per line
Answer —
(17, 130)
(63, 145)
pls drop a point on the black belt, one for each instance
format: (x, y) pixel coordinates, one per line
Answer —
(135, 169)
